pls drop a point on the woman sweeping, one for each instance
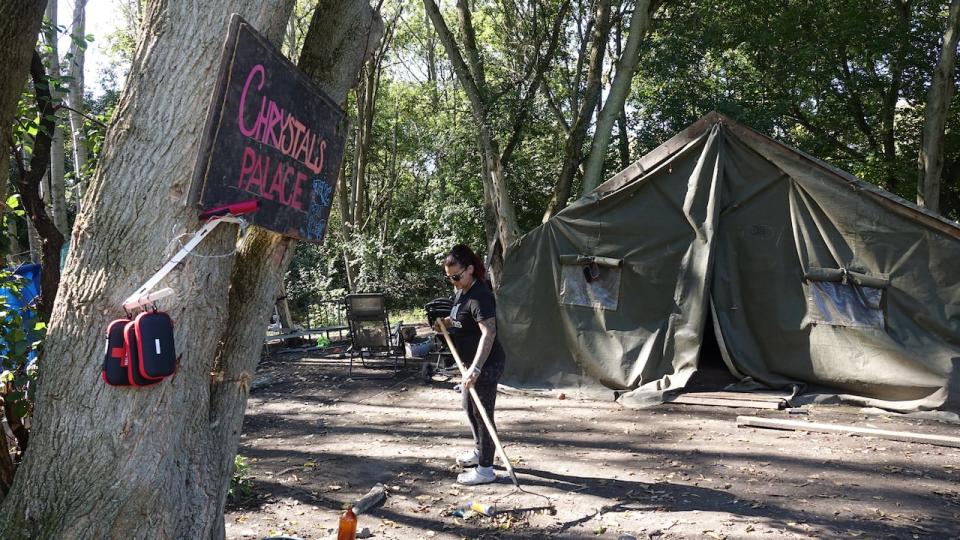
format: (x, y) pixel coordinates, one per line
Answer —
(473, 327)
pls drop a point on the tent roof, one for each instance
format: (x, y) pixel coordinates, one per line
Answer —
(765, 146)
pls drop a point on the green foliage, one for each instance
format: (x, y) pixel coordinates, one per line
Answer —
(241, 485)
(844, 81)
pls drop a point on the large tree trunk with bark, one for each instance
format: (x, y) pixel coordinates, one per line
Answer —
(19, 26)
(626, 67)
(121, 462)
(939, 96)
(341, 34)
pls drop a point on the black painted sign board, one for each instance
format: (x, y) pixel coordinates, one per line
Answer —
(271, 136)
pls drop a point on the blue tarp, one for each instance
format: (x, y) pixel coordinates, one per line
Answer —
(29, 291)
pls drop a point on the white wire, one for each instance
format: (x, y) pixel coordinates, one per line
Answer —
(179, 240)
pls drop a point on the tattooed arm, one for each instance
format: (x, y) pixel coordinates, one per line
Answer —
(488, 333)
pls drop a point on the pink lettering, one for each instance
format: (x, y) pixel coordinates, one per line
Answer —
(247, 165)
(257, 69)
(296, 199)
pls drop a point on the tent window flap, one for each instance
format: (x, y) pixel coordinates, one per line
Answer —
(590, 281)
(843, 298)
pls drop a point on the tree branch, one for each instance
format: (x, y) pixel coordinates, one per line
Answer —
(474, 60)
(526, 101)
(555, 107)
(854, 103)
(470, 86)
(81, 113)
(28, 184)
(806, 122)
(626, 67)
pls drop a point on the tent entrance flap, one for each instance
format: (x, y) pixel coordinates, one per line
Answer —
(714, 370)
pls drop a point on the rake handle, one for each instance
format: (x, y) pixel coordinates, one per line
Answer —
(476, 401)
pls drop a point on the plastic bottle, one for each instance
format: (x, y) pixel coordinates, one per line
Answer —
(480, 508)
(348, 525)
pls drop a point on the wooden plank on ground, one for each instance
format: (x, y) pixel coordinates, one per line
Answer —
(687, 399)
(741, 396)
(798, 425)
(306, 332)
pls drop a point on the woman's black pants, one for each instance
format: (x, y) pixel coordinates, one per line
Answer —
(487, 392)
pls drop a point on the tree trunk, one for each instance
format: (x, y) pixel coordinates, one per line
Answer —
(33, 242)
(57, 196)
(75, 98)
(573, 148)
(431, 50)
(19, 25)
(626, 67)
(502, 204)
(365, 111)
(283, 307)
(343, 202)
(340, 36)
(13, 237)
(108, 462)
(888, 108)
(623, 137)
(939, 96)
(28, 183)
(7, 468)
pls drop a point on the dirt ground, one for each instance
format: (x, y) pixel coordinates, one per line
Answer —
(317, 439)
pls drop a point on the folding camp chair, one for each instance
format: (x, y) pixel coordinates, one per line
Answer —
(371, 337)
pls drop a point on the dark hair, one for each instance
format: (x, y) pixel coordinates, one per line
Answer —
(464, 256)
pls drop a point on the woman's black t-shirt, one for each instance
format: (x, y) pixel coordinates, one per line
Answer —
(469, 307)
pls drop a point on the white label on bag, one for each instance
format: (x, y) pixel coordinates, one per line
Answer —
(156, 342)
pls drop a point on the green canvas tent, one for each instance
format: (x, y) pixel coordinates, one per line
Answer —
(808, 275)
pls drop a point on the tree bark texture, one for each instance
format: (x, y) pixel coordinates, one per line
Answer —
(7, 467)
(341, 35)
(19, 25)
(122, 462)
(626, 67)
(939, 96)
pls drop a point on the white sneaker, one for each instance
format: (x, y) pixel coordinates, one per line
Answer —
(469, 459)
(476, 476)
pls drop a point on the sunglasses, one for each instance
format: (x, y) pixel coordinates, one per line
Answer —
(456, 277)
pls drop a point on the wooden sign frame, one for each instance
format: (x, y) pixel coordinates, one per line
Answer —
(272, 136)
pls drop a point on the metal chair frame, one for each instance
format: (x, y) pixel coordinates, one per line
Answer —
(439, 307)
(370, 331)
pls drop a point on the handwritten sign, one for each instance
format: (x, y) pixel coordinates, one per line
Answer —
(272, 136)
